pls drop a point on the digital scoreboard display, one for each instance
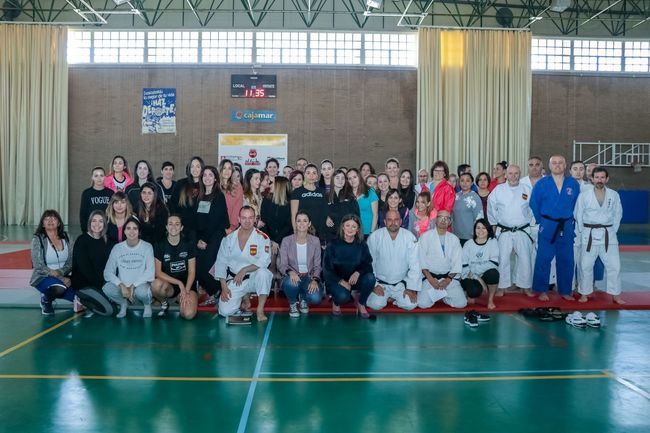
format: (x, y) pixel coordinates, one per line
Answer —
(253, 86)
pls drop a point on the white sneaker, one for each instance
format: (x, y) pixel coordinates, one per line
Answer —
(576, 320)
(592, 320)
(77, 306)
(123, 306)
(293, 310)
(147, 311)
(304, 307)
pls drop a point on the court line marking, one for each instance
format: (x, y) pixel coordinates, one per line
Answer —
(629, 385)
(243, 420)
(37, 336)
(429, 373)
(601, 375)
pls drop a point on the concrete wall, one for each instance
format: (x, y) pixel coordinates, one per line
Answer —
(347, 115)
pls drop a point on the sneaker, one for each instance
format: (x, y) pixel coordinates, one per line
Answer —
(77, 306)
(480, 317)
(592, 320)
(304, 307)
(576, 320)
(209, 301)
(123, 307)
(147, 311)
(471, 320)
(164, 306)
(46, 306)
(293, 310)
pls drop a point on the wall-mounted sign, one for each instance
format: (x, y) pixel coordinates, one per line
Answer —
(253, 116)
(253, 86)
(159, 111)
(252, 150)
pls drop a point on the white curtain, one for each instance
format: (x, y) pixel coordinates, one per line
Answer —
(474, 98)
(33, 122)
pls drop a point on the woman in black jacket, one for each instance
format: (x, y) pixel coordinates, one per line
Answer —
(341, 202)
(347, 267)
(152, 213)
(89, 257)
(211, 216)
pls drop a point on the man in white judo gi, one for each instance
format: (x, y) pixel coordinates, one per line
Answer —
(598, 216)
(441, 262)
(396, 265)
(510, 215)
(242, 266)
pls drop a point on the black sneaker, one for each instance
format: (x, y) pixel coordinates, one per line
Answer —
(470, 320)
(480, 317)
(46, 306)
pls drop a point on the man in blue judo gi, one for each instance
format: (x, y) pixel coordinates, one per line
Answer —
(552, 202)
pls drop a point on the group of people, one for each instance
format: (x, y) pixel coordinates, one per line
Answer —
(351, 234)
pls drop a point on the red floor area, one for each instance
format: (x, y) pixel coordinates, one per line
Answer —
(16, 260)
(509, 303)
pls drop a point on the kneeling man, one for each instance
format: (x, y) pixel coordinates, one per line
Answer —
(441, 261)
(396, 266)
(242, 266)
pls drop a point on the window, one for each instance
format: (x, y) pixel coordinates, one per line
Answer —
(637, 56)
(592, 55)
(118, 47)
(281, 47)
(551, 54)
(391, 49)
(227, 47)
(335, 48)
(79, 44)
(173, 47)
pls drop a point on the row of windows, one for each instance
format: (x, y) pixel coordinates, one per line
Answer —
(590, 55)
(330, 48)
(337, 48)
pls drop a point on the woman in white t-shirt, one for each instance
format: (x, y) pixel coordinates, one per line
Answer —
(481, 263)
(52, 261)
(300, 265)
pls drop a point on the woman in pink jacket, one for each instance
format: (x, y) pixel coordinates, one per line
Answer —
(118, 178)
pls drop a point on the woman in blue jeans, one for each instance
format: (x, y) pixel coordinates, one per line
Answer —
(300, 266)
(347, 267)
(52, 261)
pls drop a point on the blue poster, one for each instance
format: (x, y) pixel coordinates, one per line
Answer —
(159, 111)
(253, 116)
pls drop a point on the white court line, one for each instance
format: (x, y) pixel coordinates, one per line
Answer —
(243, 421)
(426, 373)
(629, 385)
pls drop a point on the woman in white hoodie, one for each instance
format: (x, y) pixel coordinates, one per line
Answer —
(130, 270)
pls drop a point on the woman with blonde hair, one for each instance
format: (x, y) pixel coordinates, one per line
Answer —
(118, 211)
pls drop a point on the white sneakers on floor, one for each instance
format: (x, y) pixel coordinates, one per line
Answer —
(577, 320)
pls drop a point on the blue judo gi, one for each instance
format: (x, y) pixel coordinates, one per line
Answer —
(553, 211)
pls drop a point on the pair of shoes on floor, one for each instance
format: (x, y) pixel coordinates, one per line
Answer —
(545, 314)
(577, 320)
(297, 308)
(473, 318)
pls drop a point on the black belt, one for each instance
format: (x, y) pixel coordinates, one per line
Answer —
(437, 276)
(598, 226)
(391, 284)
(516, 229)
(559, 230)
(233, 275)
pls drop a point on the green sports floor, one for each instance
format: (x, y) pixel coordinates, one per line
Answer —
(401, 373)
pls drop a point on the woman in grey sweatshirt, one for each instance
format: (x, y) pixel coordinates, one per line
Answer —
(130, 270)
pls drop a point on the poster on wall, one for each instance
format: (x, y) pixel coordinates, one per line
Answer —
(252, 150)
(159, 111)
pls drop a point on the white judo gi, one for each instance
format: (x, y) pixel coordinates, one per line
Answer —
(440, 259)
(597, 226)
(577, 247)
(509, 210)
(231, 260)
(396, 267)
